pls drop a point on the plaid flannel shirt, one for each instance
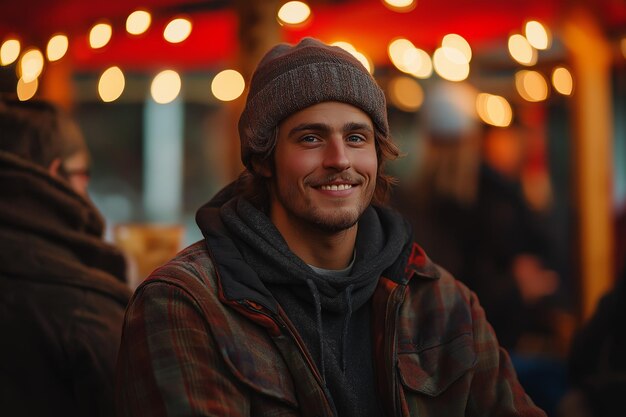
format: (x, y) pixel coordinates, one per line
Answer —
(199, 339)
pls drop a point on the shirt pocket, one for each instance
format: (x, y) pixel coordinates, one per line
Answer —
(432, 369)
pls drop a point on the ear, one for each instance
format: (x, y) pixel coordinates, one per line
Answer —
(55, 167)
(261, 167)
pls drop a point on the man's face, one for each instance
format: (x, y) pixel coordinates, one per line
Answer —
(325, 168)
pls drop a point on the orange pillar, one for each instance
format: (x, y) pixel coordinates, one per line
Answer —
(593, 122)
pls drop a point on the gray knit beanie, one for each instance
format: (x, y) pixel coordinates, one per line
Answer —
(291, 78)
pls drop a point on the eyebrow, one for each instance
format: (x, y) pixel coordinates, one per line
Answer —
(322, 127)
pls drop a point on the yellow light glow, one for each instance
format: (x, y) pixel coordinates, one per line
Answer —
(521, 50)
(531, 85)
(400, 5)
(537, 35)
(364, 60)
(165, 87)
(405, 93)
(57, 47)
(138, 22)
(397, 50)
(494, 110)
(367, 63)
(346, 46)
(111, 84)
(228, 85)
(294, 13)
(562, 81)
(26, 90)
(457, 42)
(31, 65)
(100, 35)
(177, 30)
(9, 51)
(449, 69)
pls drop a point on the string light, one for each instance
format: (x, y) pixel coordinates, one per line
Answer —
(100, 35)
(9, 51)
(57, 47)
(177, 30)
(111, 84)
(293, 13)
(31, 65)
(165, 86)
(138, 22)
(228, 85)
(562, 81)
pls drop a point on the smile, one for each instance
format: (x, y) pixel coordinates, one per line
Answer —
(336, 187)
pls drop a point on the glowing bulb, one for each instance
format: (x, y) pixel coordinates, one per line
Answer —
(165, 87)
(494, 110)
(100, 35)
(138, 22)
(111, 84)
(537, 35)
(450, 64)
(177, 30)
(458, 43)
(346, 46)
(294, 13)
(228, 85)
(31, 65)
(562, 81)
(400, 5)
(531, 85)
(521, 50)
(9, 51)
(57, 47)
(26, 90)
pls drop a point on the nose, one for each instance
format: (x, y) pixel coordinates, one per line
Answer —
(336, 155)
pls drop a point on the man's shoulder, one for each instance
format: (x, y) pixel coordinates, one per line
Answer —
(191, 266)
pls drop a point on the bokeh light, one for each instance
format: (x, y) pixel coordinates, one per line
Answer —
(405, 93)
(165, 86)
(562, 81)
(27, 90)
(31, 65)
(177, 30)
(138, 22)
(9, 51)
(400, 5)
(228, 85)
(494, 110)
(57, 47)
(531, 85)
(294, 13)
(458, 43)
(537, 35)
(111, 84)
(450, 64)
(100, 35)
(521, 50)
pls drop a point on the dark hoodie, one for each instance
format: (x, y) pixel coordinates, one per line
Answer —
(331, 315)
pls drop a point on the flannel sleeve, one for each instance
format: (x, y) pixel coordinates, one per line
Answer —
(495, 389)
(168, 363)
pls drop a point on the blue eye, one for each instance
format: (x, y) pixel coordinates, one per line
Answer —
(309, 139)
(355, 138)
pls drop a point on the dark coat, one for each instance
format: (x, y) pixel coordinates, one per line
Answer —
(62, 298)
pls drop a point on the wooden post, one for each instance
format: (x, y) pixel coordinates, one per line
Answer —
(258, 32)
(593, 121)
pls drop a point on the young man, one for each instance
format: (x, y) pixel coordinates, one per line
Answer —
(308, 297)
(62, 289)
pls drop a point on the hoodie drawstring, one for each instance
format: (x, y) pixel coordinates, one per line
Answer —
(320, 329)
(346, 323)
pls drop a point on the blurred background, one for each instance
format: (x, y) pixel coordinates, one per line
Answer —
(534, 90)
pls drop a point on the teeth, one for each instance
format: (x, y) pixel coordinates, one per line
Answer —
(336, 187)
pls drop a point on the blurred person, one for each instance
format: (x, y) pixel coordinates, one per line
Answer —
(309, 297)
(596, 362)
(62, 289)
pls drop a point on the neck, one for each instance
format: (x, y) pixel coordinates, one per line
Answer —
(327, 250)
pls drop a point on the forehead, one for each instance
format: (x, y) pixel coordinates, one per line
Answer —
(328, 113)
